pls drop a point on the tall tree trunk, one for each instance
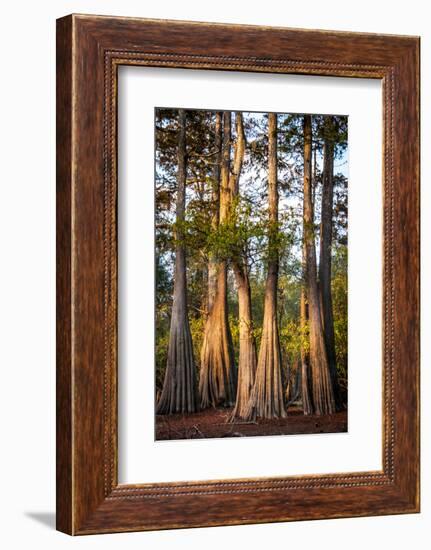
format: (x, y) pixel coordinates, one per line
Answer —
(179, 394)
(217, 383)
(323, 394)
(267, 399)
(307, 401)
(215, 204)
(247, 360)
(247, 347)
(325, 267)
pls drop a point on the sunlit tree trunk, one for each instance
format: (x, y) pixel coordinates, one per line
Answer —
(322, 390)
(325, 253)
(247, 360)
(215, 205)
(217, 383)
(267, 399)
(179, 394)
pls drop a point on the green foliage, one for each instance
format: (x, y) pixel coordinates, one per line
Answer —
(234, 328)
(197, 327)
(339, 303)
(231, 238)
(289, 296)
(291, 338)
(161, 352)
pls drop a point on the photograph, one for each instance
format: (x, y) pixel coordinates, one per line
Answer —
(251, 271)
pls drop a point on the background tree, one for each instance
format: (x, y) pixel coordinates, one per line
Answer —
(325, 261)
(196, 224)
(179, 389)
(323, 394)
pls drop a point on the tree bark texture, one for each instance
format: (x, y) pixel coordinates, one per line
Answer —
(215, 204)
(217, 383)
(267, 397)
(179, 394)
(322, 390)
(325, 263)
(247, 361)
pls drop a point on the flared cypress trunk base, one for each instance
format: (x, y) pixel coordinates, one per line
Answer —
(267, 399)
(217, 383)
(246, 375)
(179, 393)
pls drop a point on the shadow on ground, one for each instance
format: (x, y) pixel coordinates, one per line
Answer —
(45, 518)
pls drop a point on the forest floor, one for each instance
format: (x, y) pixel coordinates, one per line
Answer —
(215, 423)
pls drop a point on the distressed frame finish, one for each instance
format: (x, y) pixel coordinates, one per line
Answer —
(89, 51)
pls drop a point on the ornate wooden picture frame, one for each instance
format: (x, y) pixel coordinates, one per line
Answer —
(89, 51)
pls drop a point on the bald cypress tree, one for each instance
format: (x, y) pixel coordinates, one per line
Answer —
(322, 390)
(247, 360)
(179, 394)
(267, 396)
(325, 259)
(217, 383)
(215, 199)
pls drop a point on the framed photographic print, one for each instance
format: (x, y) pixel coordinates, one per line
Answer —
(237, 274)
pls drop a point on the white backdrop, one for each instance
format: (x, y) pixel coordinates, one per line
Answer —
(141, 458)
(27, 218)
